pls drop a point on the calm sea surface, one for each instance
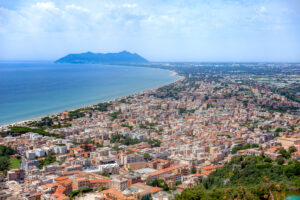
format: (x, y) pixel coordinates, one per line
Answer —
(34, 89)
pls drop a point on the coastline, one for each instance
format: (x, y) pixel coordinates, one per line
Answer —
(23, 122)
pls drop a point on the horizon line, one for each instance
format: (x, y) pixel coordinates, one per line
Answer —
(239, 62)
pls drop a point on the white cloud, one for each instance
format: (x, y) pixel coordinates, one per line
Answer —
(75, 7)
(262, 9)
(134, 23)
(127, 5)
(45, 6)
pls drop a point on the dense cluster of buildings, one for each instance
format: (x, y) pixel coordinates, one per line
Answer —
(197, 130)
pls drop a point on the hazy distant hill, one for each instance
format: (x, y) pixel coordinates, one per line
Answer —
(89, 57)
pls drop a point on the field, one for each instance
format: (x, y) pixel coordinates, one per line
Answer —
(14, 163)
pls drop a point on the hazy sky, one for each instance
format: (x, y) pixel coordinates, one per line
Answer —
(165, 30)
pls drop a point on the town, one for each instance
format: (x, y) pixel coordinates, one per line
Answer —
(158, 143)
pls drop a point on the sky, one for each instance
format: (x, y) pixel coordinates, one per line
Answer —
(159, 30)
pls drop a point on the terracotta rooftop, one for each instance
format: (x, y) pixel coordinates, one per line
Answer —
(169, 169)
(206, 172)
(156, 189)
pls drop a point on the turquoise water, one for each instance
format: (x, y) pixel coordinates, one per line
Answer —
(34, 89)
(293, 197)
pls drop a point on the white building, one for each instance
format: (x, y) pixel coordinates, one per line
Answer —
(39, 152)
(60, 149)
(30, 154)
(33, 135)
(109, 168)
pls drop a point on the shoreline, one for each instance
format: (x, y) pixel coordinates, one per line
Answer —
(23, 122)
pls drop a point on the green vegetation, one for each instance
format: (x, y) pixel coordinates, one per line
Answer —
(123, 140)
(247, 177)
(105, 174)
(147, 156)
(115, 114)
(251, 170)
(159, 183)
(184, 110)
(98, 144)
(148, 125)
(47, 122)
(246, 146)
(14, 163)
(3, 134)
(125, 125)
(265, 128)
(48, 160)
(76, 193)
(284, 153)
(129, 141)
(287, 154)
(153, 143)
(19, 130)
(6, 162)
(124, 101)
(278, 108)
(103, 107)
(278, 130)
(76, 114)
(259, 192)
(6, 151)
(292, 149)
(280, 161)
(159, 131)
(116, 148)
(228, 136)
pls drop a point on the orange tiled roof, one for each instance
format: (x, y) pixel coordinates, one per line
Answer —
(212, 167)
(124, 171)
(198, 175)
(135, 150)
(206, 172)
(59, 193)
(273, 149)
(61, 178)
(60, 190)
(114, 192)
(65, 182)
(192, 117)
(169, 169)
(51, 185)
(156, 189)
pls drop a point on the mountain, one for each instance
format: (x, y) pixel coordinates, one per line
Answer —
(89, 57)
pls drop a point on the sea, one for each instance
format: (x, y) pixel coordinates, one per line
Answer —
(32, 89)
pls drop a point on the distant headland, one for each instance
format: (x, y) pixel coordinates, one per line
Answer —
(89, 57)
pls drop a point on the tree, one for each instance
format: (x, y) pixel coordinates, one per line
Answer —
(4, 163)
(6, 151)
(147, 156)
(292, 149)
(284, 153)
(268, 160)
(280, 161)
